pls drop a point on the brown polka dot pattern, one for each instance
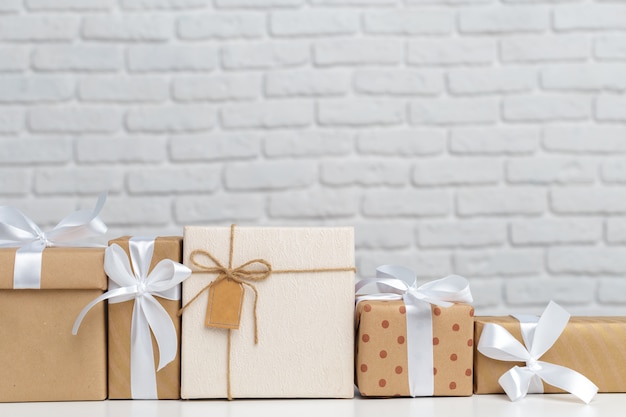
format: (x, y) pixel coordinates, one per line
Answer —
(381, 357)
(455, 329)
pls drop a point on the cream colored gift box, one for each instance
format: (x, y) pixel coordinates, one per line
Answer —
(305, 328)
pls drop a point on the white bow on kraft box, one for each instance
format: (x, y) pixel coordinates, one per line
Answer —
(146, 278)
(45, 279)
(17, 230)
(413, 341)
(547, 355)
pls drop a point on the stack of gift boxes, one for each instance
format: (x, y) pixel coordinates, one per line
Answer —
(266, 312)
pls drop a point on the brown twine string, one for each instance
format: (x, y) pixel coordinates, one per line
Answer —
(240, 275)
(228, 392)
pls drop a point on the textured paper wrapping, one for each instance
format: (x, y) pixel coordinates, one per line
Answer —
(40, 359)
(381, 349)
(593, 346)
(305, 320)
(120, 319)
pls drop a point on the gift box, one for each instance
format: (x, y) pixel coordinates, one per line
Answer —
(167, 383)
(44, 282)
(409, 347)
(278, 303)
(39, 358)
(590, 346)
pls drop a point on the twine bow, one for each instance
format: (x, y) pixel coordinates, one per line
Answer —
(239, 275)
(243, 275)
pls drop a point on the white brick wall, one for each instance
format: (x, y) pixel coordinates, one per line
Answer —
(482, 137)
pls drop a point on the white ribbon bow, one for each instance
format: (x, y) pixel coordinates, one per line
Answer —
(17, 230)
(148, 315)
(399, 283)
(539, 336)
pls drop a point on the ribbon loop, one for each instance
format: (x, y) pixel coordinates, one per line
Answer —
(539, 336)
(17, 230)
(239, 274)
(136, 283)
(396, 282)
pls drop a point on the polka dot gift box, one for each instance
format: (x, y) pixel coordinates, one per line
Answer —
(414, 341)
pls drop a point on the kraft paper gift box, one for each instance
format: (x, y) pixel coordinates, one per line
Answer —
(40, 359)
(42, 290)
(592, 347)
(120, 318)
(144, 326)
(406, 346)
(304, 313)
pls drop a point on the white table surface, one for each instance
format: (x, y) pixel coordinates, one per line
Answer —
(479, 405)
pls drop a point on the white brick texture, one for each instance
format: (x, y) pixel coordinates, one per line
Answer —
(128, 28)
(505, 19)
(480, 137)
(96, 58)
(221, 26)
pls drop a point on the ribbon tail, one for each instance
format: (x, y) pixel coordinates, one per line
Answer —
(118, 292)
(143, 383)
(569, 380)
(516, 382)
(162, 328)
(536, 385)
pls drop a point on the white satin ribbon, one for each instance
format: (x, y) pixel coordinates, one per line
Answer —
(17, 230)
(137, 284)
(539, 336)
(399, 283)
